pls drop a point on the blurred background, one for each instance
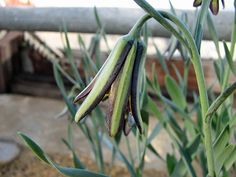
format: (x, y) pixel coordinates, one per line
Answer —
(30, 37)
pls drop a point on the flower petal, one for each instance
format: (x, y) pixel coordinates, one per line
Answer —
(135, 87)
(223, 3)
(111, 102)
(197, 3)
(107, 75)
(122, 91)
(129, 123)
(214, 6)
(86, 91)
(89, 87)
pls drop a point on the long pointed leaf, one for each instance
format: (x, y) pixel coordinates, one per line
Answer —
(175, 93)
(213, 33)
(225, 154)
(220, 100)
(221, 141)
(70, 172)
(61, 86)
(230, 160)
(125, 160)
(229, 59)
(71, 59)
(76, 160)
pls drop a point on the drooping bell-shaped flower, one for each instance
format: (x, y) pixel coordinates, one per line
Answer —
(101, 83)
(119, 78)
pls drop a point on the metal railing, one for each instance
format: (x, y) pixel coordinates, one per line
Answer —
(115, 20)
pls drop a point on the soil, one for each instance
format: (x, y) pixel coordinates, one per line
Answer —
(35, 117)
(28, 165)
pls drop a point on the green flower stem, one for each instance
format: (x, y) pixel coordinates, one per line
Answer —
(202, 91)
(195, 60)
(158, 15)
(155, 14)
(136, 29)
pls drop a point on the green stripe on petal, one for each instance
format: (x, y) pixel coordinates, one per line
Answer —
(122, 93)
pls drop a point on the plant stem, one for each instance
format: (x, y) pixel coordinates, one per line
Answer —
(136, 29)
(158, 15)
(155, 14)
(202, 91)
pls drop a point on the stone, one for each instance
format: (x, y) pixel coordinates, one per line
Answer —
(9, 150)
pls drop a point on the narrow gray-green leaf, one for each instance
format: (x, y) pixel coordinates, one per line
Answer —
(172, 8)
(213, 33)
(225, 154)
(219, 101)
(71, 60)
(66, 75)
(229, 59)
(230, 160)
(60, 84)
(233, 34)
(97, 17)
(221, 141)
(100, 26)
(129, 166)
(154, 151)
(161, 59)
(70, 172)
(198, 32)
(34, 147)
(180, 168)
(171, 163)
(218, 70)
(184, 165)
(172, 47)
(187, 160)
(154, 132)
(232, 121)
(175, 92)
(193, 145)
(151, 107)
(180, 78)
(87, 57)
(76, 160)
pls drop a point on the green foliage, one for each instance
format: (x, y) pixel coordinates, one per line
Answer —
(175, 92)
(70, 172)
(229, 59)
(199, 134)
